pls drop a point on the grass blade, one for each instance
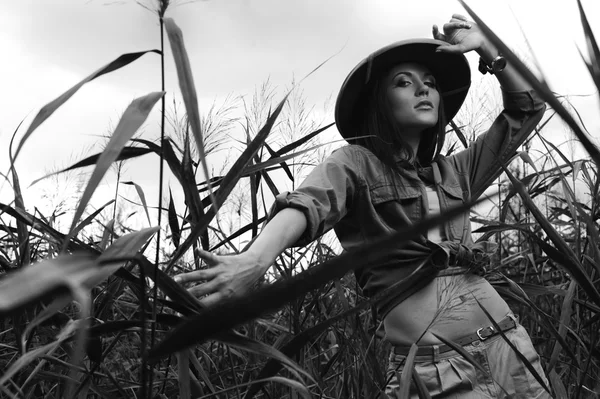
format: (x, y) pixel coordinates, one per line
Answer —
(229, 182)
(24, 244)
(540, 86)
(592, 45)
(52, 106)
(565, 318)
(173, 222)
(229, 314)
(126, 153)
(140, 193)
(407, 371)
(183, 378)
(45, 350)
(133, 117)
(526, 362)
(188, 91)
(459, 134)
(238, 233)
(91, 217)
(570, 261)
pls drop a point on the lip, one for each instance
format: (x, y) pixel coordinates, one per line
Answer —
(424, 104)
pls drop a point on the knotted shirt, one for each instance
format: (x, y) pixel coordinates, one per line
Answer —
(354, 193)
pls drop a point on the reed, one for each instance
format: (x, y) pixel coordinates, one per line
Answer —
(80, 317)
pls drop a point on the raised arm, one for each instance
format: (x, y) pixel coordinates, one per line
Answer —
(463, 36)
(523, 109)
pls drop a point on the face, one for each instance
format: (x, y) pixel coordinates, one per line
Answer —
(412, 95)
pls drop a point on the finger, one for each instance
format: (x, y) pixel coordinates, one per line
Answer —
(459, 16)
(452, 48)
(205, 288)
(198, 275)
(208, 257)
(212, 299)
(436, 33)
(450, 26)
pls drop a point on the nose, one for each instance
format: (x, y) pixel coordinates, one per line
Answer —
(422, 90)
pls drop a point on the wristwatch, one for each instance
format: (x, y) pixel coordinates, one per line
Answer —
(498, 65)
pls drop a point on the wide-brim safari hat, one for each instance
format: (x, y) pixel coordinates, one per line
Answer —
(451, 72)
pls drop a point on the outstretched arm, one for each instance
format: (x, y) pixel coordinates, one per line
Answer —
(297, 219)
(233, 275)
(463, 36)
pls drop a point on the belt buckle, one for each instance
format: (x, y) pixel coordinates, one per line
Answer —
(481, 338)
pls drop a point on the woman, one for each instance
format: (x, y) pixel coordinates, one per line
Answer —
(394, 107)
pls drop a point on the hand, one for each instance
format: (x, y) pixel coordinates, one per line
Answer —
(461, 35)
(227, 276)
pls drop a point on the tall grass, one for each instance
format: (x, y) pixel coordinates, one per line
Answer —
(67, 331)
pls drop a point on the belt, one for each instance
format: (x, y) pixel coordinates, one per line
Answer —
(481, 334)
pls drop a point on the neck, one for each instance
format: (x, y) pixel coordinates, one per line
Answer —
(412, 138)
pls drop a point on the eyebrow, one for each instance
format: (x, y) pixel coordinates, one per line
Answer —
(426, 74)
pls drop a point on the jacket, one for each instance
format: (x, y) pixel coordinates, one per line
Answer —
(351, 192)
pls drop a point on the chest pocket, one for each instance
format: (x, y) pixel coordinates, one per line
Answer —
(452, 196)
(397, 205)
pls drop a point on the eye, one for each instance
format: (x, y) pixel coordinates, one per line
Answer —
(430, 83)
(402, 83)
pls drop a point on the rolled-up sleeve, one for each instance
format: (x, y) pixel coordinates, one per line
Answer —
(483, 159)
(326, 195)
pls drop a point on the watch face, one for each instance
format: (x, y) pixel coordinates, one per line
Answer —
(499, 64)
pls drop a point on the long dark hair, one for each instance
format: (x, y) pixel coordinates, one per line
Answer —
(383, 136)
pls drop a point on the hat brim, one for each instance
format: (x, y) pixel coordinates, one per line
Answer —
(451, 71)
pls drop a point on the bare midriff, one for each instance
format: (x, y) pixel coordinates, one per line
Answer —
(447, 307)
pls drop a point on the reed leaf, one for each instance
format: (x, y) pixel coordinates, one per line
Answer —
(294, 385)
(463, 352)
(142, 196)
(183, 375)
(188, 91)
(91, 217)
(301, 141)
(238, 233)
(173, 221)
(407, 371)
(107, 234)
(592, 45)
(523, 359)
(544, 319)
(59, 275)
(274, 161)
(133, 117)
(200, 370)
(45, 350)
(560, 392)
(459, 134)
(420, 385)
(125, 154)
(539, 85)
(568, 259)
(565, 318)
(24, 255)
(52, 106)
(191, 306)
(228, 314)
(229, 182)
(283, 165)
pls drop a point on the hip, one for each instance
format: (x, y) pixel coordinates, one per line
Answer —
(450, 306)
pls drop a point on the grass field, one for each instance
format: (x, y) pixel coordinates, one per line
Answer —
(94, 312)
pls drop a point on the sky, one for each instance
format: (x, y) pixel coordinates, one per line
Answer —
(234, 46)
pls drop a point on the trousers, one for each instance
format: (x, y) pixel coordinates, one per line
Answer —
(454, 377)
